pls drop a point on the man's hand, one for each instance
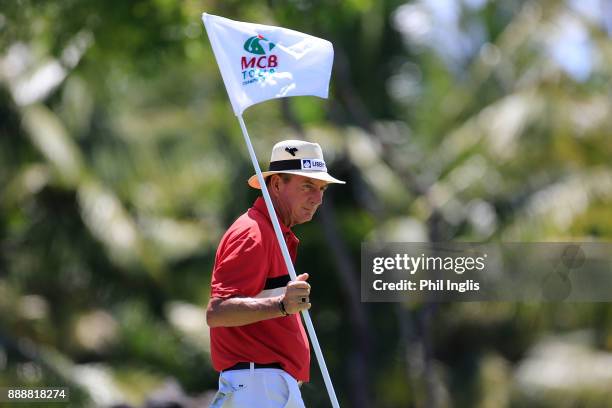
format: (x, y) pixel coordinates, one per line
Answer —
(239, 311)
(296, 297)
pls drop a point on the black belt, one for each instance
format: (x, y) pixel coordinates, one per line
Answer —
(246, 366)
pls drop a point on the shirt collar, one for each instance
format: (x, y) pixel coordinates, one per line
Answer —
(260, 205)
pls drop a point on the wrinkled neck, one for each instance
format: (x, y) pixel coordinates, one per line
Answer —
(282, 211)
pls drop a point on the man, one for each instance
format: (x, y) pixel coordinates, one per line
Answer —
(257, 339)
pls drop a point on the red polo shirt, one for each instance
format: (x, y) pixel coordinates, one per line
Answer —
(249, 263)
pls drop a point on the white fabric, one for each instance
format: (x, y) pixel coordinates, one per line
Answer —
(270, 293)
(296, 149)
(257, 388)
(287, 62)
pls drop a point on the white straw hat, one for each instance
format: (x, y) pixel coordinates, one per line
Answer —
(297, 157)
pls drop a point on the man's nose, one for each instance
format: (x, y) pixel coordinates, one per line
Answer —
(317, 197)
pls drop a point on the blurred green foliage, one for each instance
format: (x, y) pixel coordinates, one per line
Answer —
(121, 165)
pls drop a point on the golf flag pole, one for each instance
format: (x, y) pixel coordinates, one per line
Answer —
(289, 264)
(258, 63)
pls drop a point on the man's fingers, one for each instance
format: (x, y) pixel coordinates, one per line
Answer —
(297, 294)
(295, 303)
(298, 299)
(304, 306)
(298, 291)
(298, 285)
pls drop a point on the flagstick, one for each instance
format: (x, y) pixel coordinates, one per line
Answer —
(290, 269)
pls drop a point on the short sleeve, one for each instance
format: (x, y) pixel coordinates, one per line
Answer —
(240, 268)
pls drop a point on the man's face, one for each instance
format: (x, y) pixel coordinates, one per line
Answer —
(299, 198)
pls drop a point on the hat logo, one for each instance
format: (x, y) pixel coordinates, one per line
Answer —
(291, 150)
(313, 164)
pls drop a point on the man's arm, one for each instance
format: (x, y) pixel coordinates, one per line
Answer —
(239, 311)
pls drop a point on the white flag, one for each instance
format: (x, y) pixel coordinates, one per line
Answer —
(260, 62)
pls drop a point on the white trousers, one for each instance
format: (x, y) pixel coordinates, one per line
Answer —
(257, 388)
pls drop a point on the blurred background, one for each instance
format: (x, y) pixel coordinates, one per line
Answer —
(121, 165)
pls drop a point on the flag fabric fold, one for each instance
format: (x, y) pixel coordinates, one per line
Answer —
(260, 62)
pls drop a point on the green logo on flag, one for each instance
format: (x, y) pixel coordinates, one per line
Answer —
(254, 45)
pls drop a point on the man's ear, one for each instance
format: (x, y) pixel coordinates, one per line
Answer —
(274, 182)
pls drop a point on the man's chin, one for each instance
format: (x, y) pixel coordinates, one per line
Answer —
(306, 218)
